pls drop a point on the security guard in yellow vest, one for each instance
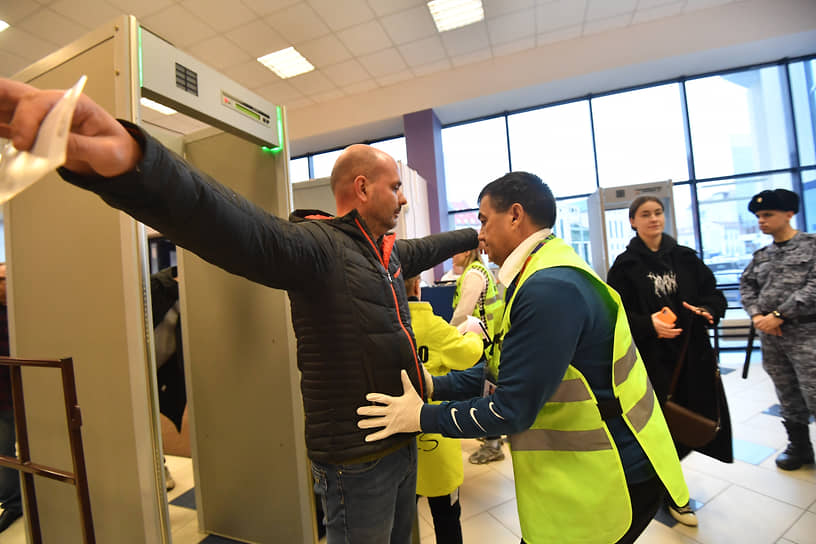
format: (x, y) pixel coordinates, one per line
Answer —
(592, 454)
(441, 348)
(476, 293)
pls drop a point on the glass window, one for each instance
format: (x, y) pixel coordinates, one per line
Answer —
(803, 82)
(394, 147)
(729, 231)
(475, 154)
(639, 136)
(462, 220)
(299, 169)
(684, 221)
(572, 225)
(555, 143)
(322, 163)
(808, 207)
(738, 122)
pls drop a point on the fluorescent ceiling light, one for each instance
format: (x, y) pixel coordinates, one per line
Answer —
(450, 14)
(147, 103)
(3, 25)
(286, 63)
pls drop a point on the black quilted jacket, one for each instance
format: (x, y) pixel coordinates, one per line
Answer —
(349, 308)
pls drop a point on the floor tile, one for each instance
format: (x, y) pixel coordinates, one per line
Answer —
(742, 516)
(485, 528)
(804, 530)
(507, 514)
(484, 492)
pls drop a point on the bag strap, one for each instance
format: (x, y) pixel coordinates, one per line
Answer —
(678, 367)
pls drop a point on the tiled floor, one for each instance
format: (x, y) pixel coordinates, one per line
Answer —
(747, 502)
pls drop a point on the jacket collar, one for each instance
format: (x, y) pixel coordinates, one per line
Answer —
(515, 261)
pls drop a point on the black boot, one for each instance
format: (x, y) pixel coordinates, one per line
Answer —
(799, 451)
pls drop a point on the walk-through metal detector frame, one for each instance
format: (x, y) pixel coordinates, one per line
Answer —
(93, 261)
(619, 198)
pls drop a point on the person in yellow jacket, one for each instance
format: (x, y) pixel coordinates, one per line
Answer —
(441, 348)
(591, 450)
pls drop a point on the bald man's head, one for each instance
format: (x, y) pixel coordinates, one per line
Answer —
(367, 179)
(357, 160)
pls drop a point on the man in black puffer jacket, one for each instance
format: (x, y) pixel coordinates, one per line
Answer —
(344, 276)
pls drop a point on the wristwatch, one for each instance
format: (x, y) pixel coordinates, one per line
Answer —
(777, 315)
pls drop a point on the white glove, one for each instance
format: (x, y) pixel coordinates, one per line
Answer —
(396, 414)
(471, 324)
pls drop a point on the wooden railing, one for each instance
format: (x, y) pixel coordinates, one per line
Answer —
(23, 463)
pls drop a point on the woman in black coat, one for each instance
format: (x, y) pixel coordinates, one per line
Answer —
(654, 272)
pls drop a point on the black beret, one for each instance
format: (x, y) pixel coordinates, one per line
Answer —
(778, 199)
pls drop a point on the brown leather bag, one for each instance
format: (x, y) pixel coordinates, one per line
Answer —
(687, 426)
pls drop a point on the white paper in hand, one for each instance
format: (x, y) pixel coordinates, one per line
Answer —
(19, 169)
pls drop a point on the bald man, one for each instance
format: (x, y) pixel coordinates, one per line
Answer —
(344, 276)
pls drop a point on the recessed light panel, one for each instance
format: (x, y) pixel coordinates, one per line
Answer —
(450, 14)
(286, 63)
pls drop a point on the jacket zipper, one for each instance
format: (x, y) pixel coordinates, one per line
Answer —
(420, 376)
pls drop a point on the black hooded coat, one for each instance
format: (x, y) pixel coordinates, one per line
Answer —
(649, 280)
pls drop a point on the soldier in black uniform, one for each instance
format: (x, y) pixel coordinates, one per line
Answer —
(778, 290)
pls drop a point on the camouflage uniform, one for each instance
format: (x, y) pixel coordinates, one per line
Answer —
(783, 278)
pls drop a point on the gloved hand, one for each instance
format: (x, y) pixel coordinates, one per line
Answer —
(395, 414)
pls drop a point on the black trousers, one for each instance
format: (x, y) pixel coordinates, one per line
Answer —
(447, 528)
(646, 498)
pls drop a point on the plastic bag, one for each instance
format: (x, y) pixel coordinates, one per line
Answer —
(20, 169)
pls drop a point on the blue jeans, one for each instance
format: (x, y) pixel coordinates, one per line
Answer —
(372, 502)
(9, 478)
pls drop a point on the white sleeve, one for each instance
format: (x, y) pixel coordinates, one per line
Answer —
(473, 285)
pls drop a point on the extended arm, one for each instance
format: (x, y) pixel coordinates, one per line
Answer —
(473, 285)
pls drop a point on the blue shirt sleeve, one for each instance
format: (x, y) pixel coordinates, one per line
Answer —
(547, 319)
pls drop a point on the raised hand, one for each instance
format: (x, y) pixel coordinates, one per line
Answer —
(98, 144)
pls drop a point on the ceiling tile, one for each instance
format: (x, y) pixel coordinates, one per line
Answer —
(14, 12)
(470, 58)
(141, 8)
(257, 38)
(219, 14)
(511, 27)
(693, 5)
(346, 73)
(602, 25)
(391, 79)
(339, 15)
(423, 51)
(466, 39)
(301, 103)
(431, 68)
(265, 7)
(386, 7)
(361, 87)
(647, 4)
(251, 74)
(219, 53)
(604, 9)
(324, 51)
(60, 31)
(327, 96)
(365, 38)
(10, 64)
(25, 45)
(280, 92)
(381, 63)
(311, 83)
(410, 25)
(508, 48)
(178, 26)
(658, 12)
(560, 14)
(298, 23)
(494, 8)
(88, 13)
(561, 34)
